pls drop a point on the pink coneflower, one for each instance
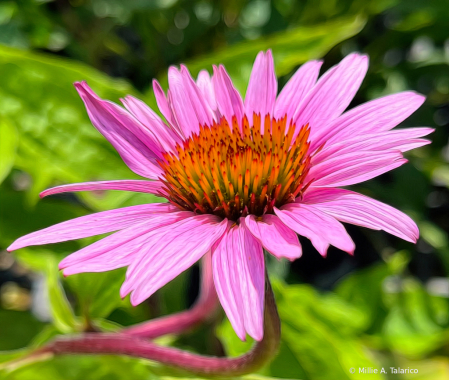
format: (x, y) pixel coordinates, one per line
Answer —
(239, 177)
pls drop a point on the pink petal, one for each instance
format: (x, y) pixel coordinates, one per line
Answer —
(169, 252)
(227, 281)
(162, 102)
(119, 249)
(262, 87)
(199, 103)
(91, 225)
(296, 89)
(135, 145)
(206, 88)
(275, 236)
(189, 107)
(396, 140)
(354, 167)
(317, 226)
(166, 136)
(228, 98)
(152, 187)
(358, 209)
(251, 264)
(239, 277)
(332, 94)
(375, 116)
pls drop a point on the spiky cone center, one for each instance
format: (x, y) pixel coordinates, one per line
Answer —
(233, 172)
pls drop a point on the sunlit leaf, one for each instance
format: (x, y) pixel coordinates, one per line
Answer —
(45, 262)
(97, 293)
(436, 368)
(57, 143)
(411, 326)
(319, 335)
(290, 48)
(8, 146)
(363, 289)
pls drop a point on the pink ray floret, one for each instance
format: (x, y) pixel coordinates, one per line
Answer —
(240, 176)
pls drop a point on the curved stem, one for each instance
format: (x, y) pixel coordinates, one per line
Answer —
(261, 353)
(206, 304)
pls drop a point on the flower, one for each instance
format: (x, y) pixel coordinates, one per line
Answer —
(239, 177)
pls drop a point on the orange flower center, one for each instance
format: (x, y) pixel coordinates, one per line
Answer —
(232, 172)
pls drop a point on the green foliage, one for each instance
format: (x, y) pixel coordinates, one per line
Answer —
(17, 328)
(290, 48)
(319, 335)
(380, 315)
(8, 146)
(57, 143)
(45, 262)
(96, 367)
(97, 293)
(326, 334)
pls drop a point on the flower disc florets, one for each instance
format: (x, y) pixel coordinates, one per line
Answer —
(232, 172)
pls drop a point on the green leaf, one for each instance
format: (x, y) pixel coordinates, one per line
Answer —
(17, 218)
(436, 368)
(80, 368)
(9, 356)
(403, 317)
(363, 289)
(47, 334)
(434, 235)
(232, 343)
(412, 326)
(44, 261)
(57, 142)
(290, 48)
(8, 146)
(17, 329)
(97, 293)
(92, 367)
(106, 326)
(319, 336)
(322, 332)
(246, 377)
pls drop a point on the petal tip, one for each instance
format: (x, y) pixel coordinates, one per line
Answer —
(45, 193)
(81, 85)
(66, 273)
(135, 299)
(17, 245)
(173, 72)
(123, 292)
(156, 85)
(240, 332)
(257, 335)
(419, 96)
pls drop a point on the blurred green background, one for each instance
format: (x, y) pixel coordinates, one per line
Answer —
(388, 306)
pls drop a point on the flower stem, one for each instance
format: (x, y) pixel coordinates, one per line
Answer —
(206, 304)
(99, 343)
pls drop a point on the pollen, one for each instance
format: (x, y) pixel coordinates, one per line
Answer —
(232, 172)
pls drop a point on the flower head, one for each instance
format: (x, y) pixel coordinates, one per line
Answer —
(232, 172)
(239, 177)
